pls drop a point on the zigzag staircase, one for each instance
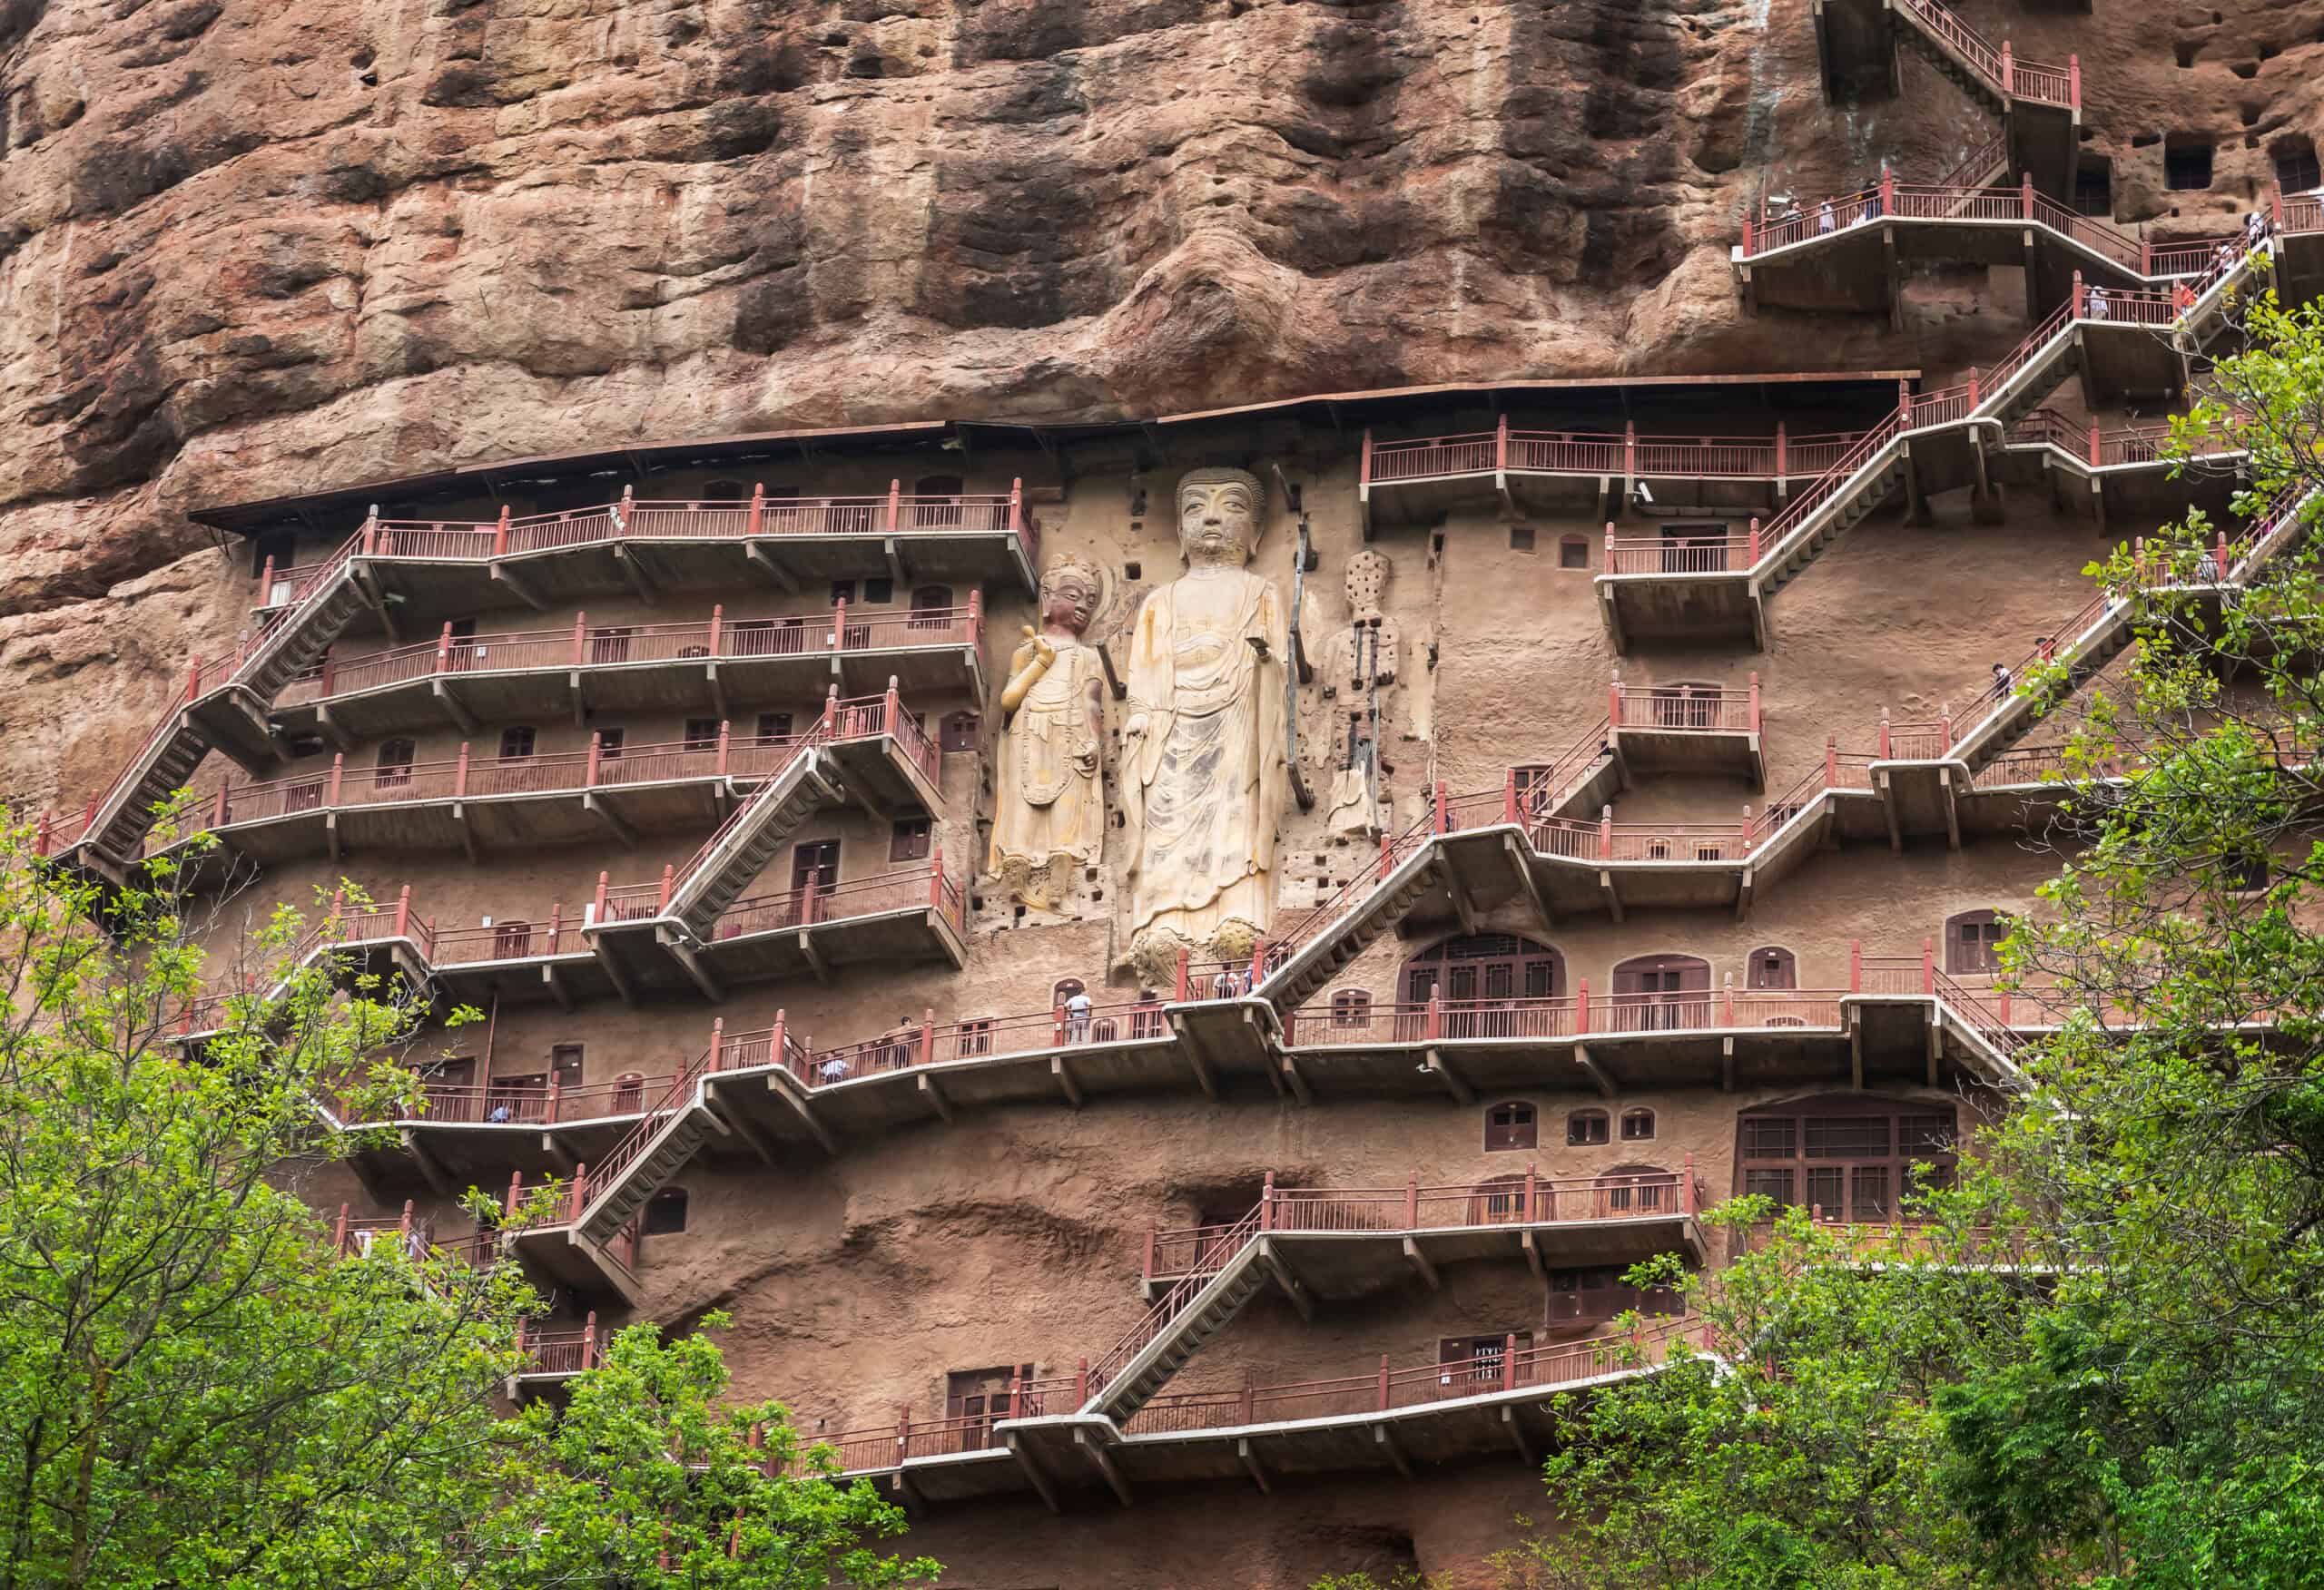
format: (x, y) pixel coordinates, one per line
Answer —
(647, 1159)
(750, 839)
(245, 685)
(1192, 1312)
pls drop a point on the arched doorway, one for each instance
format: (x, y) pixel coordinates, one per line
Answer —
(1662, 993)
(1490, 981)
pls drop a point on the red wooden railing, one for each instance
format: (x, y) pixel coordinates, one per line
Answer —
(1685, 708)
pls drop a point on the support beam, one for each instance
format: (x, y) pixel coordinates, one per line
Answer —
(936, 1099)
(1203, 1077)
(758, 555)
(1463, 906)
(1250, 1457)
(1856, 1057)
(1420, 1262)
(1935, 1046)
(1385, 1440)
(577, 697)
(1035, 1474)
(615, 974)
(331, 835)
(557, 988)
(1745, 887)
(1463, 1093)
(1526, 884)
(1612, 896)
(889, 550)
(1533, 1260)
(641, 578)
(1298, 1081)
(453, 706)
(602, 809)
(814, 958)
(1944, 797)
(1064, 1080)
(733, 1125)
(691, 964)
(1293, 1287)
(332, 731)
(431, 1169)
(1592, 1069)
(1516, 1428)
(717, 688)
(1888, 807)
(777, 1084)
(523, 586)
(558, 1155)
(1105, 1463)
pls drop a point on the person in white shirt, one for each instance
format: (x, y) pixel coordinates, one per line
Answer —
(1077, 1017)
(835, 1068)
(2095, 307)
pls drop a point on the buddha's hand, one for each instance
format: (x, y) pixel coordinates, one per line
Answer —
(1044, 649)
(1136, 728)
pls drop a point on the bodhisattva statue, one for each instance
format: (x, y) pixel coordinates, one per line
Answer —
(1203, 769)
(1049, 801)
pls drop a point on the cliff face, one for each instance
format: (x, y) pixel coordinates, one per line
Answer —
(255, 249)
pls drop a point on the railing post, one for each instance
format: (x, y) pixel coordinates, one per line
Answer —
(2093, 444)
(444, 647)
(1532, 1194)
(1364, 461)
(1259, 961)
(1755, 701)
(1149, 1253)
(976, 616)
(1508, 798)
(1885, 744)
(1928, 965)
(1974, 398)
(1250, 1395)
(1016, 505)
(831, 713)
(2073, 79)
(1435, 1012)
(460, 772)
(2078, 295)
(2025, 195)
(597, 749)
(2008, 71)
(1888, 193)
(1747, 235)
(1581, 1008)
(1082, 1382)
(1856, 965)
(936, 878)
(1387, 857)
(1509, 1362)
(669, 874)
(266, 584)
(1443, 823)
(1755, 523)
(717, 1044)
(1179, 992)
(717, 618)
(577, 1197)
(589, 1342)
(1905, 403)
(2219, 558)
(1783, 467)
(1606, 833)
(758, 508)
(598, 915)
(1501, 445)
(1614, 697)
(1630, 449)
(403, 911)
(1384, 1382)
(624, 509)
(1412, 1202)
(1945, 724)
(927, 1037)
(1831, 761)
(500, 533)
(724, 747)
(1266, 1203)
(1687, 1184)
(580, 628)
(516, 1194)
(339, 1231)
(895, 506)
(338, 776)
(891, 711)
(839, 625)
(1610, 549)
(372, 530)
(2146, 258)
(2004, 1008)
(1727, 1014)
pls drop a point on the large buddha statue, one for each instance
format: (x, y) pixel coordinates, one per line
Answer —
(1203, 769)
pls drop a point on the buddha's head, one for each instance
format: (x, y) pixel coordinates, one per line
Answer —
(1218, 516)
(1070, 592)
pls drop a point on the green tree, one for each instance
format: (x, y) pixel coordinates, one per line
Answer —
(198, 1389)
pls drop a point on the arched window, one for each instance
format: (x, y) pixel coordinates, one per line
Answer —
(1351, 1007)
(1629, 1191)
(1637, 1126)
(1491, 966)
(1498, 1201)
(1511, 1126)
(1067, 987)
(1662, 993)
(1586, 1129)
(938, 504)
(931, 607)
(665, 1213)
(1773, 967)
(1847, 1155)
(395, 762)
(1973, 942)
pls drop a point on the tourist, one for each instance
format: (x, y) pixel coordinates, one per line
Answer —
(1825, 221)
(2207, 569)
(2001, 683)
(834, 1069)
(1077, 1017)
(2094, 307)
(2255, 229)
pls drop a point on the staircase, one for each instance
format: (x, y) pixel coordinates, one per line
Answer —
(1339, 940)
(644, 1162)
(751, 838)
(297, 639)
(1861, 482)
(1175, 1328)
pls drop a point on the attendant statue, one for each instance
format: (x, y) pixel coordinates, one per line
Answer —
(1204, 773)
(1049, 801)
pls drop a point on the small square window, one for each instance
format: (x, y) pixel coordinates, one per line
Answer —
(1573, 552)
(702, 733)
(1637, 1126)
(907, 840)
(774, 728)
(843, 591)
(516, 741)
(1521, 538)
(958, 731)
(609, 742)
(1586, 1129)
(879, 590)
(2186, 165)
(1509, 1126)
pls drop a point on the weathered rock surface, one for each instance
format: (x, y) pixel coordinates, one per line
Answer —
(253, 249)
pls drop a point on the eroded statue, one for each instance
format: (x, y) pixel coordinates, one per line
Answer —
(1356, 704)
(1049, 800)
(1203, 769)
